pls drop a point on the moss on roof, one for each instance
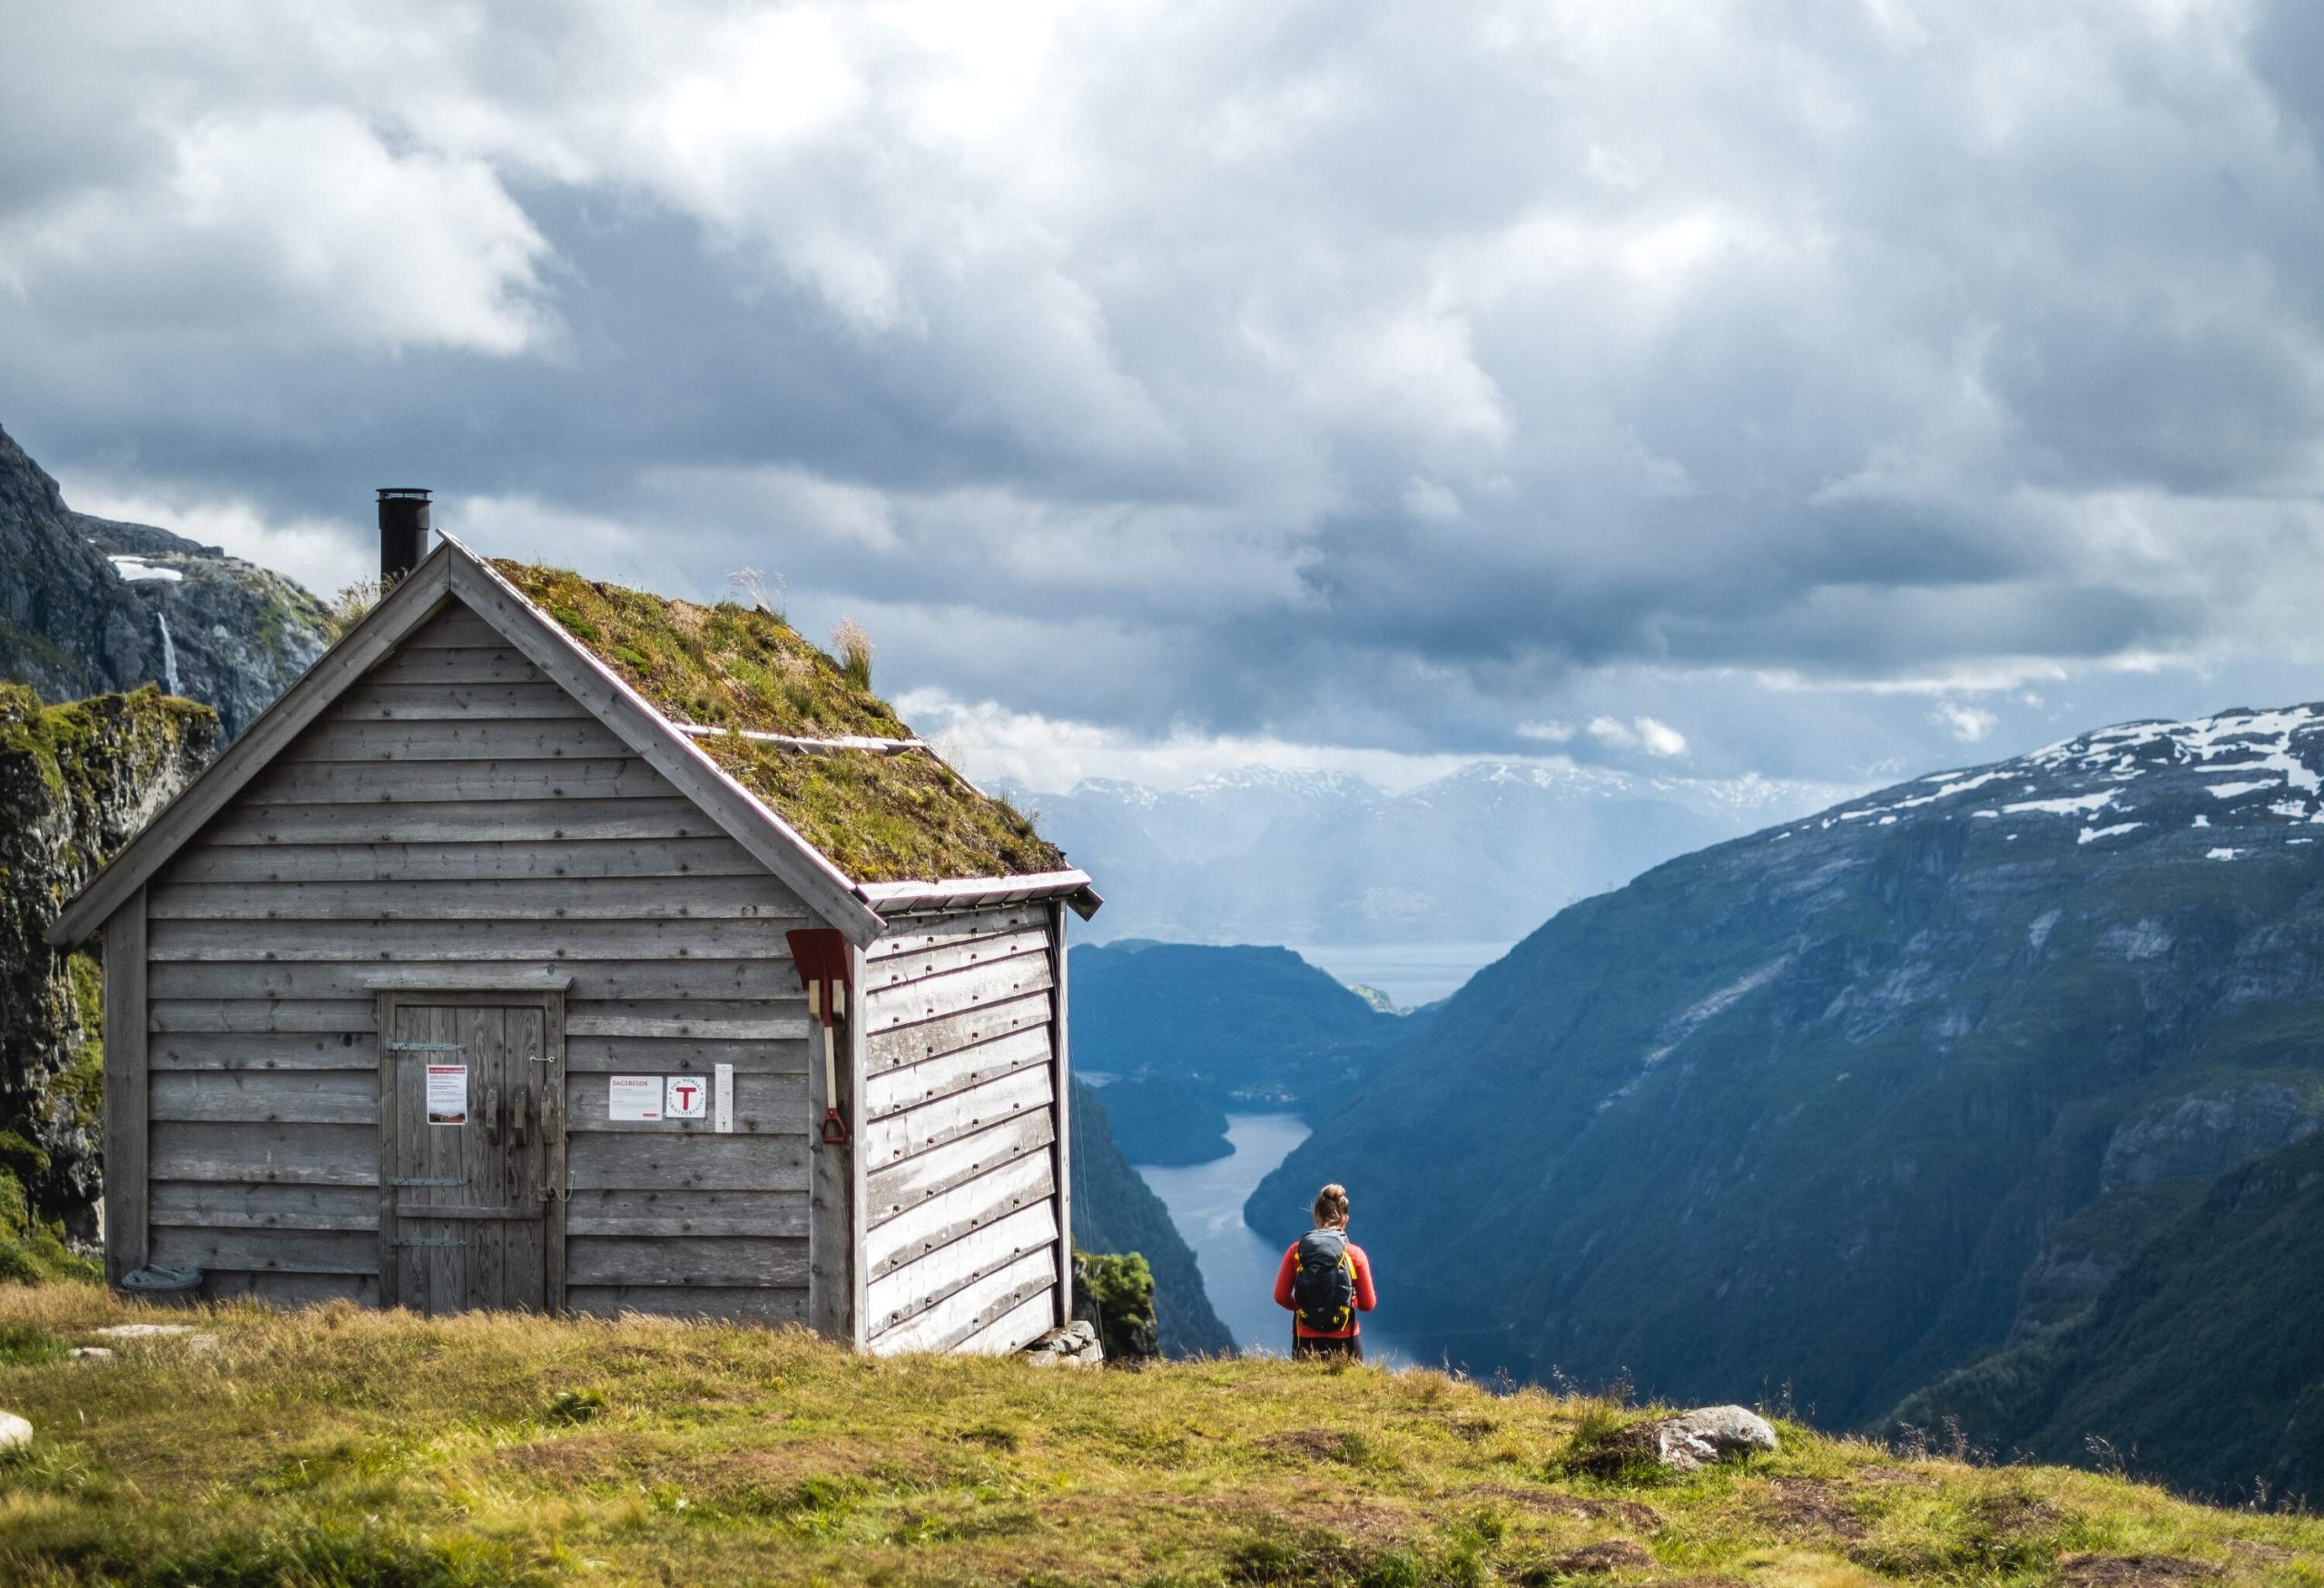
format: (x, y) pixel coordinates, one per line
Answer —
(877, 816)
(723, 666)
(886, 818)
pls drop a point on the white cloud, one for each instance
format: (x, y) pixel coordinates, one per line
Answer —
(1646, 734)
(1051, 754)
(1552, 730)
(1967, 724)
(299, 228)
(321, 554)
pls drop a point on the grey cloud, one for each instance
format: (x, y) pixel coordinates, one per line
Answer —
(1361, 374)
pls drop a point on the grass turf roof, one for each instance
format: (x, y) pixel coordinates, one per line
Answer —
(879, 817)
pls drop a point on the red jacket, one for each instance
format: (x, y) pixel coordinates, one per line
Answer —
(1364, 1299)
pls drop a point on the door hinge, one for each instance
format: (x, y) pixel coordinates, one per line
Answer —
(427, 1240)
(399, 1183)
(423, 1047)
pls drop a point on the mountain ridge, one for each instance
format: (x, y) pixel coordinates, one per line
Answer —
(90, 606)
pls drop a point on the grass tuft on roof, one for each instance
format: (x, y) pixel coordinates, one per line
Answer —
(878, 817)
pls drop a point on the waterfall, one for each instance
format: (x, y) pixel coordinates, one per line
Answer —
(169, 656)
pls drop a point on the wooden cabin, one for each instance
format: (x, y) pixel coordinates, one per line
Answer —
(471, 976)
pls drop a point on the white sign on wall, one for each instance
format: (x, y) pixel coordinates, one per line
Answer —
(447, 1094)
(634, 1097)
(722, 1098)
(685, 1097)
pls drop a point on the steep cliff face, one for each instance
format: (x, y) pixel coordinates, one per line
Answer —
(76, 782)
(1831, 1105)
(89, 605)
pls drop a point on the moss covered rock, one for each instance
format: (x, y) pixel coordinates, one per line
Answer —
(76, 782)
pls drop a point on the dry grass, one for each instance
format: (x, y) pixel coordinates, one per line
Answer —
(337, 1446)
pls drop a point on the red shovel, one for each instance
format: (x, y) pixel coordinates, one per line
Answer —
(827, 970)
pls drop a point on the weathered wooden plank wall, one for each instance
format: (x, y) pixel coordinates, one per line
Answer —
(452, 821)
(964, 1236)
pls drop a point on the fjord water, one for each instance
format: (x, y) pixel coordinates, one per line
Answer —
(1238, 1268)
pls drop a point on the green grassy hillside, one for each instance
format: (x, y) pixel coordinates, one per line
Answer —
(2203, 1346)
(338, 1447)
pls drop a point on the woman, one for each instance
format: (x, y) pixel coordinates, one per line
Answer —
(1324, 1281)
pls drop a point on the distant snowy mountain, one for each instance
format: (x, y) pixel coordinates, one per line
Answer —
(1263, 854)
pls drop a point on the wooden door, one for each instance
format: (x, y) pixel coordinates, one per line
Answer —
(472, 1155)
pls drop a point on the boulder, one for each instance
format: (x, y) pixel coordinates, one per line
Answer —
(1074, 1345)
(1707, 1434)
(14, 1431)
(1686, 1443)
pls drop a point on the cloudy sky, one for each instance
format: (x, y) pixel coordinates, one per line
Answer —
(1817, 390)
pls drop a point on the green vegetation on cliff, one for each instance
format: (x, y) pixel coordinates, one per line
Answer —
(76, 781)
(339, 1446)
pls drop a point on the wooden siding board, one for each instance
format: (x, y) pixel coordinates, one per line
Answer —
(909, 1086)
(605, 1161)
(216, 1206)
(903, 1294)
(754, 981)
(291, 1251)
(460, 822)
(948, 1119)
(686, 1213)
(685, 1260)
(557, 738)
(762, 899)
(910, 1044)
(963, 1315)
(256, 1016)
(737, 1305)
(456, 700)
(319, 1097)
(311, 1155)
(684, 1055)
(1012, 1331)
(916, 935)
(681, 858)
(891, 1192)
(288, 1050)
(955, 992)
(961, 1211)
(888, 976)
(126, 1129)
(361, 942)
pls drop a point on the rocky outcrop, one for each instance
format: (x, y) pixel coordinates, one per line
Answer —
(91, 604)
(76, 782)
(2203, 1135)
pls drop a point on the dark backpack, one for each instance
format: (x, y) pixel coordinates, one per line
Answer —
(1324, 1287)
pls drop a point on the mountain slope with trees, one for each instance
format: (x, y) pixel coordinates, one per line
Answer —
(1808, 1109)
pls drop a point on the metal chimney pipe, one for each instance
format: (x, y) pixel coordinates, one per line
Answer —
(403, 530)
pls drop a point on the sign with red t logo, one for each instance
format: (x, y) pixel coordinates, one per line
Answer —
(685, 1097)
